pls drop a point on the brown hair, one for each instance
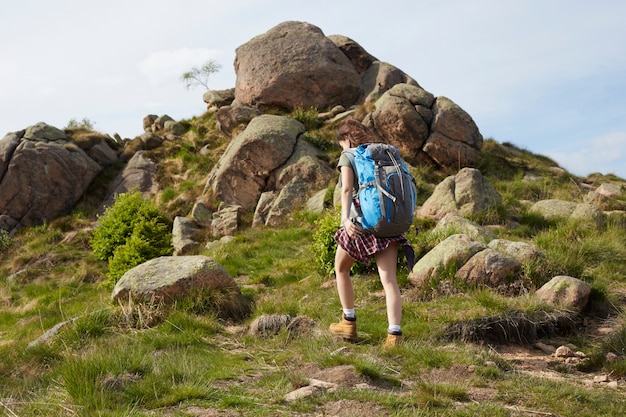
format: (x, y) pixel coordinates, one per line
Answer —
(356, 132)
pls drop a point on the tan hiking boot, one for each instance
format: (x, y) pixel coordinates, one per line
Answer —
(393, 339)
(345, 329)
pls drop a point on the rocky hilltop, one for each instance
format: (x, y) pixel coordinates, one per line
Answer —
(44, 171)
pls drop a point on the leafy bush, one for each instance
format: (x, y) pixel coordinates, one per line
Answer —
(324, 245)
(5, 240)
(130, 232)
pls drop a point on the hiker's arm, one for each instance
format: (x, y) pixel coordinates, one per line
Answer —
(347, 184)
(347, 181)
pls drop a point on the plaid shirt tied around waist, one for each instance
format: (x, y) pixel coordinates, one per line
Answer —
(362, 248)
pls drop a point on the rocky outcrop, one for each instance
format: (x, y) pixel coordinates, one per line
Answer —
(43, 174)
(468, 193)
(427, 129)
(290, 185)
(241, 173)
(164, 125)
(462, 261)
(294, 65)
(269, 168)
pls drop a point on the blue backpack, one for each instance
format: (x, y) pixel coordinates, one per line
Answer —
(387, 190)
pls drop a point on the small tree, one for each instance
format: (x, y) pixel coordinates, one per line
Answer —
(200, 76)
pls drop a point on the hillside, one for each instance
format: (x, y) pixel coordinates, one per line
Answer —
(134, 360)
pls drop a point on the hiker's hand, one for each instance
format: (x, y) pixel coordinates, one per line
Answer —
(352, 229)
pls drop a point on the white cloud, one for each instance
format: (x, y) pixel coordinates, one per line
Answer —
(605, 154)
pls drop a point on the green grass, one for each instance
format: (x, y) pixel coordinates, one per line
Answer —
(127, 360)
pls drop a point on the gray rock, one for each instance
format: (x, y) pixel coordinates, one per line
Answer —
(170, 279)
(553, 209)
(55, 171)
(241, 174)
(468, 193)
(183, 233)
(453, 223)
(522, 251)
(449, 255)
(489, 268)
(565, 292)
(225, 220)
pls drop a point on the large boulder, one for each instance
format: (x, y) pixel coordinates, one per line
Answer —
(425, 128)
(455, 139)
(489, 268)
(294, 65)
(241, 174)
(302, 174)
(229, 117)
(139, 175)
(522, 251)
(443, 259)
(43, 174)
(361, 59)
(172, 279)
(402, 117)
(184, 231)
(554, 209)
(381, 77)
(454, 223)
(468, 193)
(565, 292)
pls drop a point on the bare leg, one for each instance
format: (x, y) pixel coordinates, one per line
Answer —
(343, 263)
(386, 261)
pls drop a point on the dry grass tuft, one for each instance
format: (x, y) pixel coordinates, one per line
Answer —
(515, 327)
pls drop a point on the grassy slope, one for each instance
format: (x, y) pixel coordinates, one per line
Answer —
(122, 361)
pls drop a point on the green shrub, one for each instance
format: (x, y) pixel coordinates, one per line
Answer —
(130, 232)
(324, 245)
(5, 240)
(308, 117)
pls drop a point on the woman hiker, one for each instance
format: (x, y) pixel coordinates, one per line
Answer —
(354, 245)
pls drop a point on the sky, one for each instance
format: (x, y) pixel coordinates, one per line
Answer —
(548, 76)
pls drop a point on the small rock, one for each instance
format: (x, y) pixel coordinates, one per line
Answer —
(601, 378)
(547, 349)
(611, 357)
(564, 352)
